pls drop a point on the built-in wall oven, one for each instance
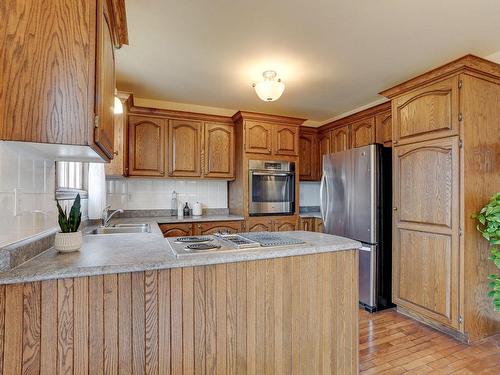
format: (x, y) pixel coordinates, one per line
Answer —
(271, 187)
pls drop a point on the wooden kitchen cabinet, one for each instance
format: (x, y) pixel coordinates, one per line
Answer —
(445, 169)
(285, 224)
(426, 113)
(147, 139)
(307, 224)
(426, 230)
(340, 139)
(177, 230)
(258, 137)
(362, 133)
(58, 79)
(259, 224)
(286, 140)
(218, 227)
(318, 225)
(119, 165)
(308, 155)
(218, 150)
(325, 147)
(184, 148)
(383, 128)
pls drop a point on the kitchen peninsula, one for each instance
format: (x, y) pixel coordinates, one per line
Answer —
(127, 302)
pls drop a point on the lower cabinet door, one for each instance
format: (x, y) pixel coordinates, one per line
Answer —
(259, 225)
(176, 230)
(318, 225)
(285, 224)
(218, 227)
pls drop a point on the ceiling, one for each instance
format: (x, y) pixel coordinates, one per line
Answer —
(333, 55)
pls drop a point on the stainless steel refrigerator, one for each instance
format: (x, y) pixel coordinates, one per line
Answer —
(356, 202)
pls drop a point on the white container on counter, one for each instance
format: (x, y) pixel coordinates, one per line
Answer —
(180, 211)
(197, 209)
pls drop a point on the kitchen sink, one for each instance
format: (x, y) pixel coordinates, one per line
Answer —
(123, 229)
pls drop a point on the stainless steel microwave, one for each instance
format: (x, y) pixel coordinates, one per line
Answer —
(271, 187)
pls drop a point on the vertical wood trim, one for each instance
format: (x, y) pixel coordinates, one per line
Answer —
(269, 321)
(251, 317)
(327, 317)
(48, 328)
(231, 325)
(111, 324)
(31, 328)
(151, 298)
(260, 317)
(138, 322)
(125, 322)
(176, 316)
(211, 325)
(241, 318)
(164, 319)
(96, 325)
(220, 312)
(287, 316)
(296, 319)
(2, 325)
(65, 326)
(199, 320)
(13, 329)
(279, 358)
(188, 320)
(81, 327)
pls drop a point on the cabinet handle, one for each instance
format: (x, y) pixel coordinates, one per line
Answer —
(115, 153)
(394, 208)
(395, 142)
(269, 149)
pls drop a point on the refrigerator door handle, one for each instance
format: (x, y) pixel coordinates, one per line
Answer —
(322, 195)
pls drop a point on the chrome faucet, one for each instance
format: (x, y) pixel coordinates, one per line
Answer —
(106, 218)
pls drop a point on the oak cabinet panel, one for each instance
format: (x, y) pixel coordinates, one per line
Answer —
(258, 137)
(105, 83)
(58, 75)
(426, 219)
(285, 224)
(218, 227)
(286, 140)
(147, 139)
(307, 224)
(383, 128)
(325, 147)
(257, 224)
(184, 148)
(362, 133)
(318, 225)
(308, 156)
(218, 150)
(176, 230)
(341, 139)
(119, 165)
(427, 113)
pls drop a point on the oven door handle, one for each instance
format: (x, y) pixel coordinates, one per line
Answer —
(271, 174)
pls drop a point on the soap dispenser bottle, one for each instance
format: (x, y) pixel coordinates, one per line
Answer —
(186, 209)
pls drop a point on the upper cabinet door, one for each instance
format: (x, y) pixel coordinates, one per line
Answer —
(341, 139)
(308, 156)
(325, 147)
(427, 113)
(219, 150)
(184, 150)
(258, 137)
(363, 132)
(383, 126)
(147, 145)
(105, 83)
(286, 140)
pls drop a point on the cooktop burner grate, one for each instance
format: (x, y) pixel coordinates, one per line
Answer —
(203, 246)
(190, 239)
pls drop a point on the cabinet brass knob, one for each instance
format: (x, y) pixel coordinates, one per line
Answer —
(394, 208)
(115, 153)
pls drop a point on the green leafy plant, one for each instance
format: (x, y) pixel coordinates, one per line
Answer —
(489, 226)
(70, 223)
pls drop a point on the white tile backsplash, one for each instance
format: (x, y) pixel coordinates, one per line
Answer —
(309, 194)
(34, 179)
(148, 194)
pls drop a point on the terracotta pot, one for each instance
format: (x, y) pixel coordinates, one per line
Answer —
(68, 242)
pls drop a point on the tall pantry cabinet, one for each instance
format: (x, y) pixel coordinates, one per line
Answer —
(446, 166)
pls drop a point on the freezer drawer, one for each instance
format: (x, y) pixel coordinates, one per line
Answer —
(368, 276)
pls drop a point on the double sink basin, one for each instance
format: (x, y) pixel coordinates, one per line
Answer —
(123, 229)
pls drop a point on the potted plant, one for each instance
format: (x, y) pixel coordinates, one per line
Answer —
(489, 226)
(69, 238)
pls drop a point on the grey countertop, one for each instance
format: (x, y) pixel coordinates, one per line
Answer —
(117, 253)
(315, 214)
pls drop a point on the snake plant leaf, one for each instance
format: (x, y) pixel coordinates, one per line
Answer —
(62, 219)
(75, 215)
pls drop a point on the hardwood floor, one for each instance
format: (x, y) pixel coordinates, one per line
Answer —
(391, 343)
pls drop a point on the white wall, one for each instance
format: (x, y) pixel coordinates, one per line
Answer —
(144, 194)
(309, 193)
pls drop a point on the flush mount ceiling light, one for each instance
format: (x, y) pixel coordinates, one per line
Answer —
(271, 88)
